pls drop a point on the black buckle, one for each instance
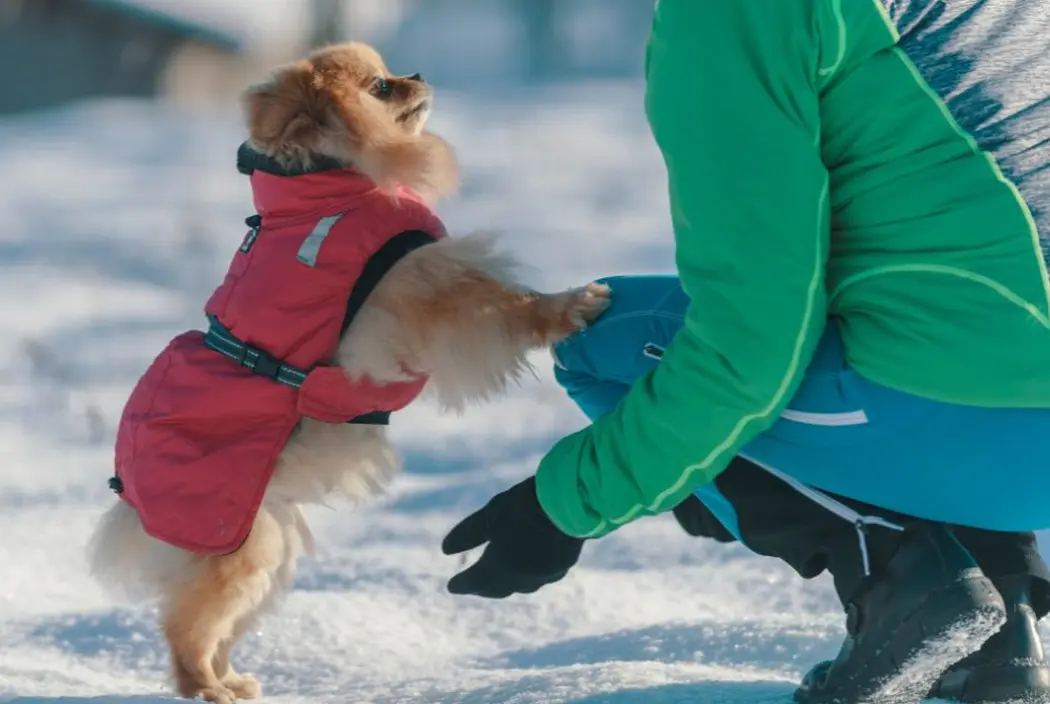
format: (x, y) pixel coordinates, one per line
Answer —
(261, 363)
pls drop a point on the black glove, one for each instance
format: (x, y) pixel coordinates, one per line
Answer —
(698, 521)
(525, 550)
(691, 514)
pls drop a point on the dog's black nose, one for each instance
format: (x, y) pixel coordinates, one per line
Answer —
(417, 77)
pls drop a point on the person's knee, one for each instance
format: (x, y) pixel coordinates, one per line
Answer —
(613, 347)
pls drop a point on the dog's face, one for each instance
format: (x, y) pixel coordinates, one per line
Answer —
(341, 102)
(406, 99)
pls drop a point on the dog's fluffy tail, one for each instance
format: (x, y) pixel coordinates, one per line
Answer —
(125, 559)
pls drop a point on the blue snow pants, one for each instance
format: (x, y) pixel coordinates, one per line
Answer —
(842, 434)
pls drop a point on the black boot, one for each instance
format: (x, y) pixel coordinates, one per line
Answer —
(927, 608)
(1011, 666)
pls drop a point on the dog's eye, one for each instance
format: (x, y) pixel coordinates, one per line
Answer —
(382, 88)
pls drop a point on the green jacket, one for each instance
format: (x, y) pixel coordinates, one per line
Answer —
(814, 170)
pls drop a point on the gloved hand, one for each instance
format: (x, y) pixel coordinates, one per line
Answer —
(698, 521)
(525, 550)
(692, 516)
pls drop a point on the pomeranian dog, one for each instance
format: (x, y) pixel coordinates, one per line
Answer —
(344, 302)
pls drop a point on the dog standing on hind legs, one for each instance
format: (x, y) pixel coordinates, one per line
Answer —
(344, 302)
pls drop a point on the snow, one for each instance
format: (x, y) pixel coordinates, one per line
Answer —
(118, 218)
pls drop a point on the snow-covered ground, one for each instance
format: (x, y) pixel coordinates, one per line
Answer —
(117, 219)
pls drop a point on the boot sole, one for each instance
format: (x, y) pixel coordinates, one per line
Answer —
(946, 627)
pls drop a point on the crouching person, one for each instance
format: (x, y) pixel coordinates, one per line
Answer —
(850, 371)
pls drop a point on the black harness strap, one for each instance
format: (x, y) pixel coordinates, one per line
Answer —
(375, 269)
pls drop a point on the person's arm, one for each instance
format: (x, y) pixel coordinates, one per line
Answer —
(733, 99)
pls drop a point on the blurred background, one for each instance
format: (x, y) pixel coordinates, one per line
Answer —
(195, 52)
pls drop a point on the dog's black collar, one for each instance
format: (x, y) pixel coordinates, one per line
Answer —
(249, 160)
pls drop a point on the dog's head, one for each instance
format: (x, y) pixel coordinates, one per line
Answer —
(341, 102)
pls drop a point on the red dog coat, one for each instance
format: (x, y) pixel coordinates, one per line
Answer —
(201, 431)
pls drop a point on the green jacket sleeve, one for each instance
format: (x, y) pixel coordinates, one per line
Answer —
(733, 100)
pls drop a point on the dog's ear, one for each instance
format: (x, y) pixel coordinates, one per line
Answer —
(286, 115)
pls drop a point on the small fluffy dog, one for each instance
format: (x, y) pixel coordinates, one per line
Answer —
(214, 436)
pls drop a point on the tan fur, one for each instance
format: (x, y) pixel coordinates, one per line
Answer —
(453, 309)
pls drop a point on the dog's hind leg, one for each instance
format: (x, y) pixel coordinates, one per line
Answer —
(197, 625)
(296, 540)
(243, 686)
(204, 618)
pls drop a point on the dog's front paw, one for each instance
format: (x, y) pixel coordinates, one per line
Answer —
(587, 303)
(559, 315)
(243, 686)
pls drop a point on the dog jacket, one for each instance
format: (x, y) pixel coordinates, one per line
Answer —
(200, 434)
